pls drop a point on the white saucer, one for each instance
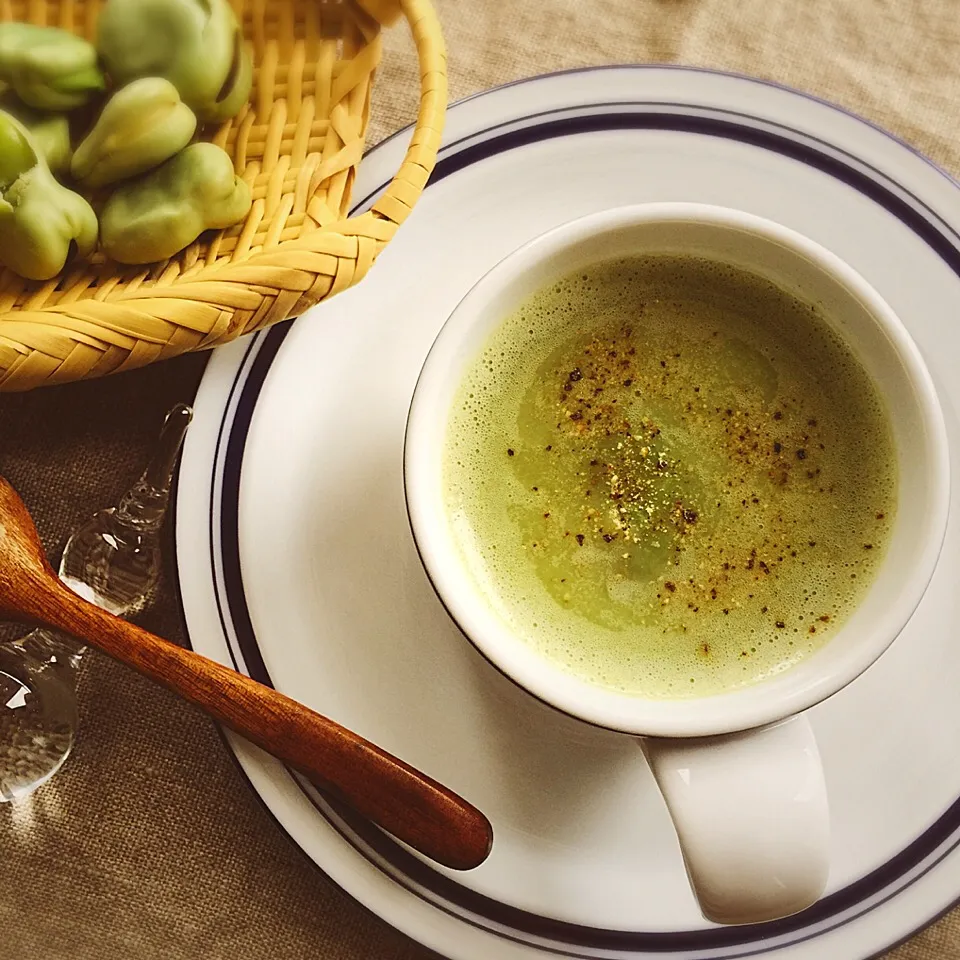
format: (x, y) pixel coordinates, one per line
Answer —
(302, 571)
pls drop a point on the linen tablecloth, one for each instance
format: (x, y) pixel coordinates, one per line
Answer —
(149, 844)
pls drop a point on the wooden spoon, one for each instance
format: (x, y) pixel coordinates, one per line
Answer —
(405, 802)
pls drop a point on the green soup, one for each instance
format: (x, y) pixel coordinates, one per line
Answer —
(669, 476)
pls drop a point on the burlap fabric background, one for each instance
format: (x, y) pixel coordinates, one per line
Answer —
(148, 844)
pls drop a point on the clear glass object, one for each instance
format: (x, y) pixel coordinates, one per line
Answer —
(113, 560)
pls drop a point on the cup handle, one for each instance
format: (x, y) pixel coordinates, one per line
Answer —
(750, 811)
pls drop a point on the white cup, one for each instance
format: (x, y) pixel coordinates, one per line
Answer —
(740, 771)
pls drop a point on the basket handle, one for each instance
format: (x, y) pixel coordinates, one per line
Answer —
(404, 190)
(385, 12)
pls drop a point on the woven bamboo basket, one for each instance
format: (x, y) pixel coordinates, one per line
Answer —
(297, 143)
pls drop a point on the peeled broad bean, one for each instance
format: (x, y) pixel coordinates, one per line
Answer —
(39, 218)
(50, 132)
(235, 91)
(141, 125)
(195, 44)
(157, 215)
(48, 68)
(17, 155)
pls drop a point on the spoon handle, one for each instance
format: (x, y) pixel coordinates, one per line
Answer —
(406, 803)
